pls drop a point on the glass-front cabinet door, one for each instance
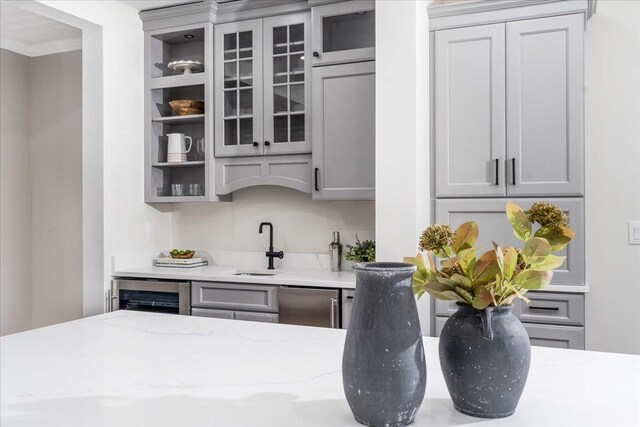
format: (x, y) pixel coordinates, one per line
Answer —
(343, 32)
(238, 89)
(287, 84)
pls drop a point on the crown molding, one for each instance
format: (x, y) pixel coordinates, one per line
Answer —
(41, 49)
(481, 12)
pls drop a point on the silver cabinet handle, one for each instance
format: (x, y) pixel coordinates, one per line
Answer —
(334, 303)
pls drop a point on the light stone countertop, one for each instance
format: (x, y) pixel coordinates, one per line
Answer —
(213, 273)
(131, 369)
(294, 270)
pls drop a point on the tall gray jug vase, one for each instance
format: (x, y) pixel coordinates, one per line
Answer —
(383, 365)
(485, 356)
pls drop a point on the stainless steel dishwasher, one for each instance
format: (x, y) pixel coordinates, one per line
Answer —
(309, 306)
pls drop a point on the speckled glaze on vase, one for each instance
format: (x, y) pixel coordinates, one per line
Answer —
(383, 366)
(485, 356)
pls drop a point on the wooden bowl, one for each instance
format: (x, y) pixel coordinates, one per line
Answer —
(186, 107)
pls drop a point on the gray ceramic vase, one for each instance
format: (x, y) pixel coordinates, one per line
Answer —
(484, 356)
(383, 366)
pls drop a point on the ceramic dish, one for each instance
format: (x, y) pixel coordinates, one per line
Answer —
(187, 67)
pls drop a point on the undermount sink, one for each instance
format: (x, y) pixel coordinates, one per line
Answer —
(257, 272)
(254, 274)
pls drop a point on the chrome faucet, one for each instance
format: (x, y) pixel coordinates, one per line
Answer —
(270, 253)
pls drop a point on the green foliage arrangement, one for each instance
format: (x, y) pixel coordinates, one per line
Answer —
(364, 251)
(497, 276)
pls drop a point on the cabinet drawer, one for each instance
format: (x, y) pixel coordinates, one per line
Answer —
(231, 296)
(445, 308)
(256, 317)
(208, 312)
(571, 337)
(553, 308)
(440, 321)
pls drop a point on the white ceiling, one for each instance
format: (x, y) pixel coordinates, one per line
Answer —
(34, 35)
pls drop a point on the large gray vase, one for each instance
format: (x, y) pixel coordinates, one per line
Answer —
(383, 366)
(485, 356)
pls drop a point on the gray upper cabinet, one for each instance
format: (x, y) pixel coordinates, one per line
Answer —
(238, 88)
(522, 79)
(545, 106)
(262, 86)
(492, 221)
(343, 32)
(470, 111)
(344, 132)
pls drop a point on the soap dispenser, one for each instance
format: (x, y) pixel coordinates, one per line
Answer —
(335, 252)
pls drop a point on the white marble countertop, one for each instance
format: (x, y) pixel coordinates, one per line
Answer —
(131, 369)
(214, 273)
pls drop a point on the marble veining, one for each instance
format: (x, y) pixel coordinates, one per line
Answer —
(129, 368)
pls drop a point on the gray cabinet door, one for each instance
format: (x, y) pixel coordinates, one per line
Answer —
(287, 84)
(344, 132)
(343, 32)
(347, 305)
(545, 106)
(209, 312)
(232, 296)
(470, 111)
(494, 226)
(256, 317)
(238, 88)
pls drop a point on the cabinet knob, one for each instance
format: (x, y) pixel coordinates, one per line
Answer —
(316, 54)
(255, 144)
(267, 143)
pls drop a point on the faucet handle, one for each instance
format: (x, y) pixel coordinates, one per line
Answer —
(280, 255)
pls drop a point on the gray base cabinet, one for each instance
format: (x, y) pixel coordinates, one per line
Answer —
(551, 319)
(234, 296)
(235, 301)
(347, 305)
(235, 315)
(344, 132)
(494, 226)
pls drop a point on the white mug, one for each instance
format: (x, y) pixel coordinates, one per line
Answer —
(176, 148)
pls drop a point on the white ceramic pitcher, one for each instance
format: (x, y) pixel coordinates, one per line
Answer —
(177, 147)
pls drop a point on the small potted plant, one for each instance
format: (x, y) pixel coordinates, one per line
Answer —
(484, 349)
(364, 251)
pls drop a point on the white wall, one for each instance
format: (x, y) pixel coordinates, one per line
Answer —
(402, 132)
(15, 194)
(55, 120)
(613, 176)
(300, 224)
(122, 110)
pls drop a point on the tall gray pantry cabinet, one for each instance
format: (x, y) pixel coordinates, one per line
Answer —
(508, 125)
